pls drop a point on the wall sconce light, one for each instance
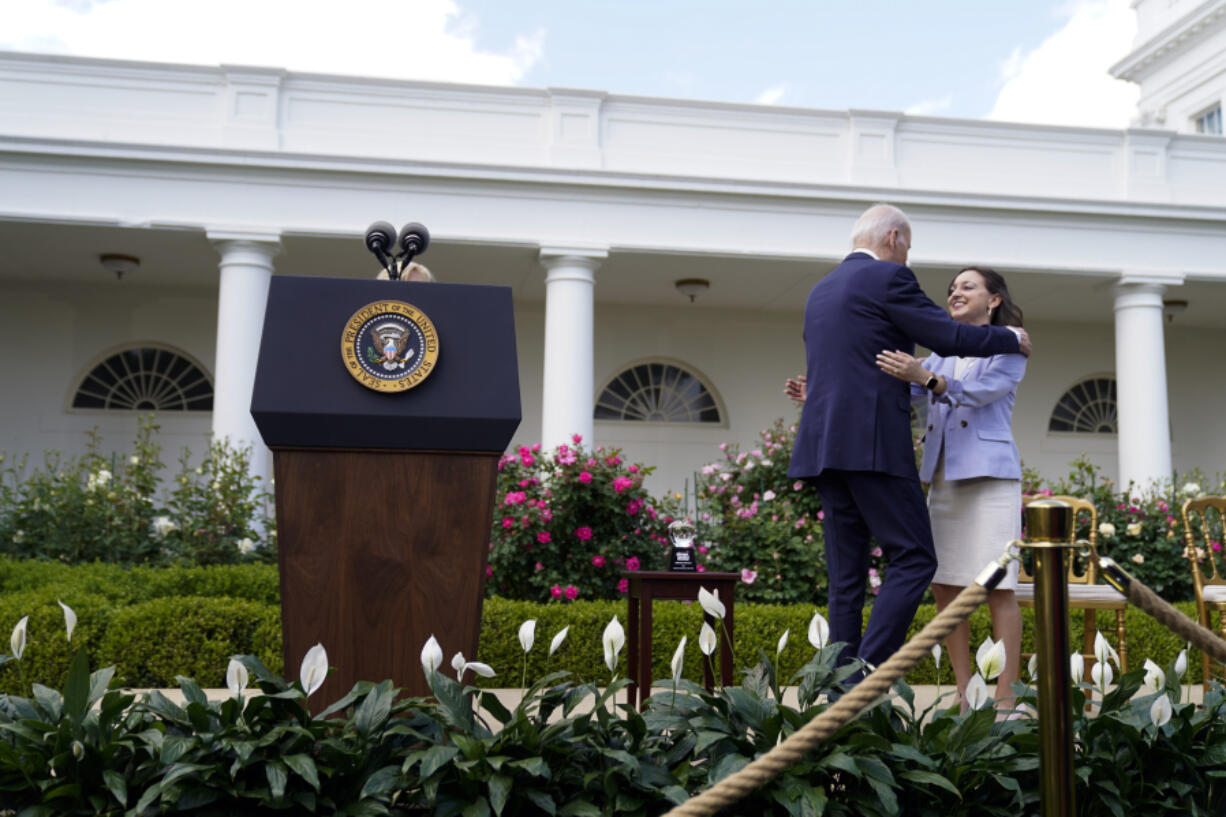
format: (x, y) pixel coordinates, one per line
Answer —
(692, 286)
(1173, 308)
(118, 263)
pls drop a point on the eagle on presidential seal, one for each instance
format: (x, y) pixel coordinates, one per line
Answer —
(389, 347)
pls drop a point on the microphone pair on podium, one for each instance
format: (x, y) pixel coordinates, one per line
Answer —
(382, 240)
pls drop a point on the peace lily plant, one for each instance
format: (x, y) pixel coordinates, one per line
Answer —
(570, 747)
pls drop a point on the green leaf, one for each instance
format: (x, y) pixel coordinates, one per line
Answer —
(76, 687)
(728, 765)
(49, 701)
(500, 792)
(579, 808)
(374, 709)
(381, 782)
(436, 757)
(117, 785)
(304, 767)
(192, 692)
(278, 777)
(535, 766)
(543, 801)
(931, 779)
(478, 808)
(99, 681)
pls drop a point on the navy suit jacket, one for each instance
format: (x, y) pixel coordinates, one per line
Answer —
(857, 417)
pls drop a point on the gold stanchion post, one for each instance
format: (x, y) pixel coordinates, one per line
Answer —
(1049, 525)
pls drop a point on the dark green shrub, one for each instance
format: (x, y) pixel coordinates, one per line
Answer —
(48, 653)
(152, 642)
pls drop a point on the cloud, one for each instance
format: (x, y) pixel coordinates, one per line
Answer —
(772, 95)
(1064, 81)
(930, 107)
(424, 39)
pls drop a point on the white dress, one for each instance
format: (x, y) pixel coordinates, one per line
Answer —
(973, 521)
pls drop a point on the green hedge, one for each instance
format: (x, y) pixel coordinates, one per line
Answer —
(154, 624)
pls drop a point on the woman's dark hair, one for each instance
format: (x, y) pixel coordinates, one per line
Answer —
(1008, 313)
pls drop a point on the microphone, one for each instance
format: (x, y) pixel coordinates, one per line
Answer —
(414, 239)
(380, 238)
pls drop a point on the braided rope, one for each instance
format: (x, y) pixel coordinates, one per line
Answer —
(763, 769)
(1161, 610)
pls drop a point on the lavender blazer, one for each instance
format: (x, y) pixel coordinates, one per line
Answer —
(973, 419)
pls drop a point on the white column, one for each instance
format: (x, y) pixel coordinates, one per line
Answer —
(246, 269)
(1140, 374)
(570, 284)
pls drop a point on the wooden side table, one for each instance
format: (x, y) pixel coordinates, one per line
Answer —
(646, 586)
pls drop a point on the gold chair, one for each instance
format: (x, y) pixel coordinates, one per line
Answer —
(1202, 530)
(1084, 591)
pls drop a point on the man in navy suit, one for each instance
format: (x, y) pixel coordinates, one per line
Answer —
(854, 440)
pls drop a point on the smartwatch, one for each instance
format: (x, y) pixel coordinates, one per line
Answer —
(932, 383)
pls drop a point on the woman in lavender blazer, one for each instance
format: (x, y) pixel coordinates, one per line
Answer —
(972, 465)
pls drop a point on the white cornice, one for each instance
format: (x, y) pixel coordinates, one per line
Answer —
(1144, 58)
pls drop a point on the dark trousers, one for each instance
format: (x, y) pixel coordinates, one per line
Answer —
(857, 505)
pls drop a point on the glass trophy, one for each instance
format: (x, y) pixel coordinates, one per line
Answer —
(681, 533)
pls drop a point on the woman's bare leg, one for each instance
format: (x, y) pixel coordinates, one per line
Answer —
(957, 643)
(1007, 627)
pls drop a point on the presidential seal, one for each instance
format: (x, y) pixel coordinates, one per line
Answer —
(389, 346)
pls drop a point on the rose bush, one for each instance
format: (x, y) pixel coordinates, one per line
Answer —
(569, 521)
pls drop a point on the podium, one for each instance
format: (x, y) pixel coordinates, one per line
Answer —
(384, 498)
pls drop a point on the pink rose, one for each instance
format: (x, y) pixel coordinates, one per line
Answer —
(700, 568)
(556, 591)
(539, 567)
(583, 534)
(489, 571)
(598, 560)
(576, 438)
(614, 460)
(634, 469)
(585, 477)
(508, 522)
(634, 506)
(572, 592)
(546, 515)
(821, 515)
(543, 537)
(622, 483)
(748, 576)
(632, 563)
(702, 549)
(623, 586)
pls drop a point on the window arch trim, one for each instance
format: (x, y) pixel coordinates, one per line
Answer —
(702, 380)
(176, 375)
(1087, 408)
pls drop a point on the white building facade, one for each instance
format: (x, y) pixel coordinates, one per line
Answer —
(590, 207)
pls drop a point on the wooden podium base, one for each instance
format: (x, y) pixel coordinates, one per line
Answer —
(378, 551)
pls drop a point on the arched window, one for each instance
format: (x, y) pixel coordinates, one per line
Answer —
(145, 377)
(1089, 407)
(658, 391)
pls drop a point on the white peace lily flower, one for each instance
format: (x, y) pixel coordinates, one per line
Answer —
(1077, 667)
(1102, 675)
(18, 639)
(613, 638)
(70, 619)
(558, 639)
(484, 670)
(236, 677)
(1106, 529)
(457, 664)
(1155, 678)
(314, 669)
(819, 631)
(706, 639)
(527, 635)
(1032, 667)
(992, 661)
(1160, 711)
(711, 604)
(1181, 664)
(1133, 529)
(783, 643)
(1191, 489)
(976, 692)
(678, 660)
(1104, 651)
(936, 655)
(431, 656)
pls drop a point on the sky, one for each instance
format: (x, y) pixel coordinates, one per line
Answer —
(1015, 60)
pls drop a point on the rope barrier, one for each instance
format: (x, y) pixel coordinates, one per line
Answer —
(1158, 608)
(763, 769)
